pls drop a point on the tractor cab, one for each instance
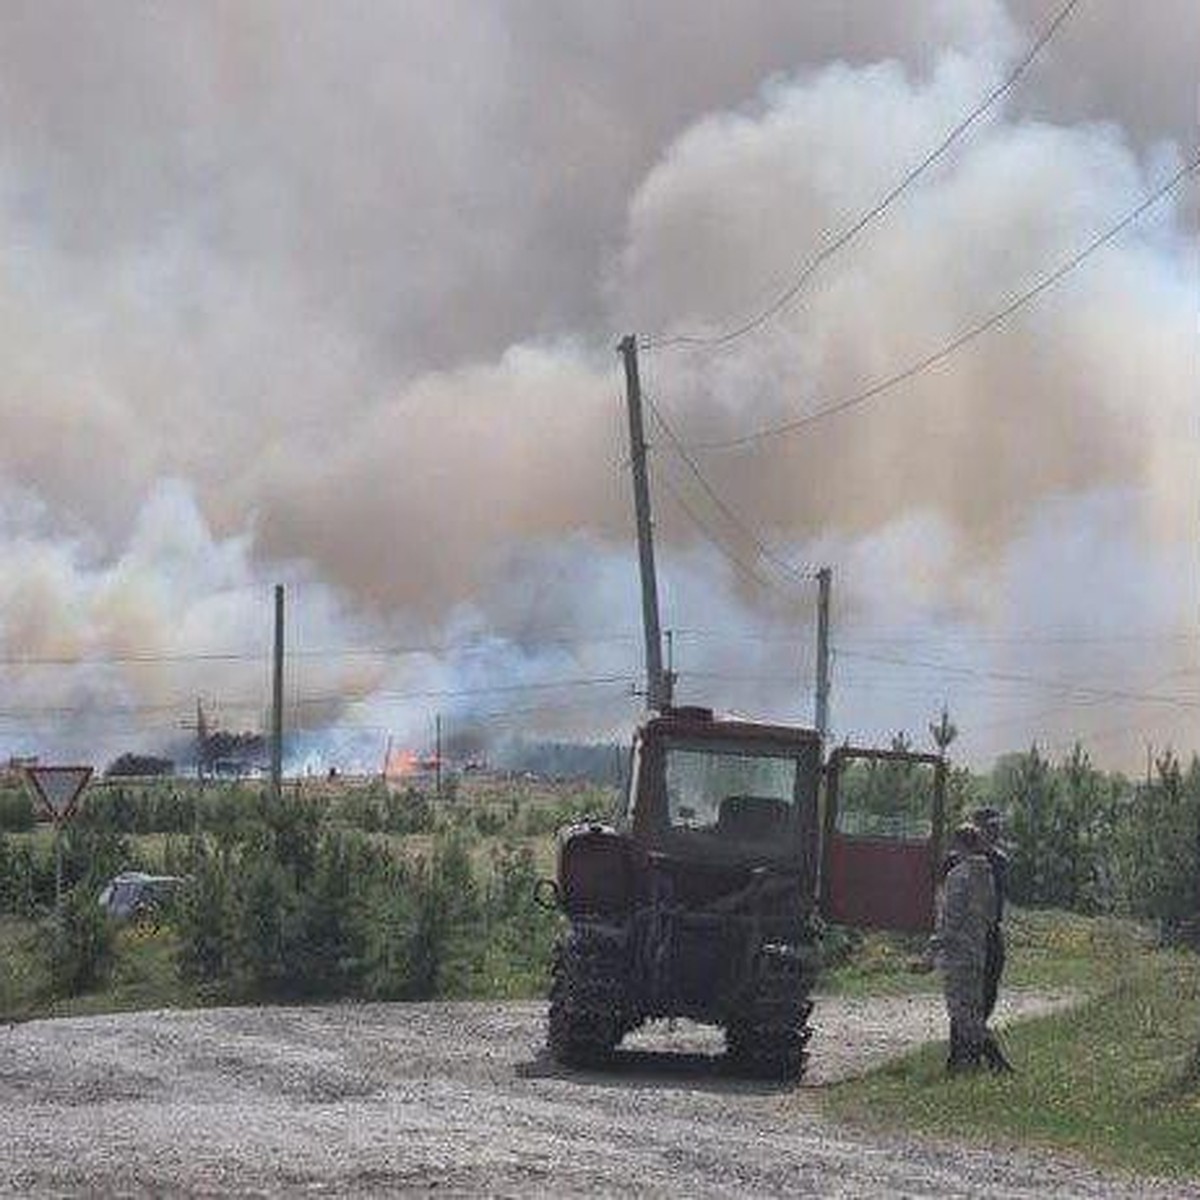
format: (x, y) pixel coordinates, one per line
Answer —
(724, 791)
(863, 832)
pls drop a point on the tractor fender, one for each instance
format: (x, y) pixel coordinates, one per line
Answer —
(598, 871)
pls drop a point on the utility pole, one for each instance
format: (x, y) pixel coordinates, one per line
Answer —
(277, 700)
(437, 754)
(824, 582)
(658, 683)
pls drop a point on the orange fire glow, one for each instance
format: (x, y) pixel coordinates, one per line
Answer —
(400, 763)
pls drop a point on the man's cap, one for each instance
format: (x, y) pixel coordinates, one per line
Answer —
(988, 816)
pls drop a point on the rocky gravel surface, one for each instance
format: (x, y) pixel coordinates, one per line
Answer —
(459, 1098)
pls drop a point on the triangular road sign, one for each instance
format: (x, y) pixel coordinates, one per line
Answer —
(58, 788)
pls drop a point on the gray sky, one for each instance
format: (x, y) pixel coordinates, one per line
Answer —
(330, 292)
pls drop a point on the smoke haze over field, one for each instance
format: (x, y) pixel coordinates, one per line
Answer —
(329, 295)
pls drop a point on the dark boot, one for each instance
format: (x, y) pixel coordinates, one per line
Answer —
(971, 1054)
(954, 1058)
(964, 1055)
(994, 1056)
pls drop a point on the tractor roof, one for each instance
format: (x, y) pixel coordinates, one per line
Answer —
(693, 722)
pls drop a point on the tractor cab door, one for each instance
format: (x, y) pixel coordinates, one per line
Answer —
(882, 839)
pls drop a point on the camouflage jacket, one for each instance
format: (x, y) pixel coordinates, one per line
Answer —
(966, 911)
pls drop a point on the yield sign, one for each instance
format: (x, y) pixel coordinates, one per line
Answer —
(58, 788)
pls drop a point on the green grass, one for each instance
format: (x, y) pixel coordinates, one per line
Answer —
(146, 849)
(24, 982)
(1047, 951)
(143, 975)
(879, 964)
(1114, 1079)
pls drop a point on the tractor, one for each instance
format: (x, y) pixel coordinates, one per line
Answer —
(707, 898)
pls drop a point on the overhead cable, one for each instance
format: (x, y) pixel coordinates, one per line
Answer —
(154, 658)
(1063, 686)
(796, 574)
(710, 537)
(843, 239)
(102, 709)
(969, 334)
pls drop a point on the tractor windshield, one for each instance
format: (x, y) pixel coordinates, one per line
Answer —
(735, 790)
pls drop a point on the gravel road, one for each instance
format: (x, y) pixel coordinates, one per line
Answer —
(367, 1099)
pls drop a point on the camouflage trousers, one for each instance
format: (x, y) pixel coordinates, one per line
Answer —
(963, 985)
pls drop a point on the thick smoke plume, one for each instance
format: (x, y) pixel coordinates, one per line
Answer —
(329, 295)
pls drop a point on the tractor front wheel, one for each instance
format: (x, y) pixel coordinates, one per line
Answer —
(587, 998)
(768, 1037)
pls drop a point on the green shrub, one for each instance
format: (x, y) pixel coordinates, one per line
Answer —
(409, 812)
(548, 819)
(285, 906)
(16, 810)
(265, 912)
(839, 945)
(80, 945)
(18, 879)
(389, 941)
(205, 920)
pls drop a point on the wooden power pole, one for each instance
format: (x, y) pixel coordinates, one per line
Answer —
(824, 583)
(437, 755)
(658, 682)
(277, 700)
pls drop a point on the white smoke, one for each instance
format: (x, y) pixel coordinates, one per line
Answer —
(353, 282)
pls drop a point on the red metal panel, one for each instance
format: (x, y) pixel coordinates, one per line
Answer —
(878, 883)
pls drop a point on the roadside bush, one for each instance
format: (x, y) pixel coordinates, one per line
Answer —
(205, 920)
(27, 870)
(389, 944)
(409, 812)
(287, 906)
(548, 819)
(18, 878)
(515, 951)
(16, 810)
(329, 955)
(363, 808)
(445, 919)
(265, 912)
(228, 811)
(80, 945)
(91, 857)
(839, 945)
(128, 808)
(492, 821)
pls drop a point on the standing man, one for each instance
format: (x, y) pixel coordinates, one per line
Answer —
(967, 912)
(989, 824)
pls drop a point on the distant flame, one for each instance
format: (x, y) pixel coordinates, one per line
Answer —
(401, 763)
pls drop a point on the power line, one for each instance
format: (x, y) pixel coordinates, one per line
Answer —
(468, 693)
(765, 551)
(967, 335)
(848, 235)
(547, 708)
(789, 681)
(1030, 680)
(712, 538)
(154, 658)
(1051, 637)
(102, 709)
(1046, 638)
